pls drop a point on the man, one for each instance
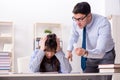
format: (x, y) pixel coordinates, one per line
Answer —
(99, 48)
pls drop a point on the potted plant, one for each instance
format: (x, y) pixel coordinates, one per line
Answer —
(48, 31)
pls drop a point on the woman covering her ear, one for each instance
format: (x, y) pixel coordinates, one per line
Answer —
(50, 57)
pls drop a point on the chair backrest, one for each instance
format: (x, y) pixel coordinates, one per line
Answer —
(23, 64)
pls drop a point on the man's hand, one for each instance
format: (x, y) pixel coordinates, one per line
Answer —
(69, 55)
(80, 51)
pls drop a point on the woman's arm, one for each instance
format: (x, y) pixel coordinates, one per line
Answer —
(37, 56)
(36, 60)
(64, 63)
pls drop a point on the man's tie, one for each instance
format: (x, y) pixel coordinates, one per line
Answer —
(83, 59)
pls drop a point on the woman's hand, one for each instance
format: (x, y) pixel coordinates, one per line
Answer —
(42, 43)
(58, 44)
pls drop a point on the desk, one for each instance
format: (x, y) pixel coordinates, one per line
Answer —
(45, 76)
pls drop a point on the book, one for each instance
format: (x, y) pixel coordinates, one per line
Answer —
(4, 64)
(5, 67)
(2, 71)
(5, 58)
(104, 70)
(109, 66)
(4, 53)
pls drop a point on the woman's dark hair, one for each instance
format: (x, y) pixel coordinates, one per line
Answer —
(82, 7)
(52, 64)
(51, 43)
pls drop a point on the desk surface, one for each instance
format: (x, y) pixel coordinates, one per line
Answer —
(54, 76)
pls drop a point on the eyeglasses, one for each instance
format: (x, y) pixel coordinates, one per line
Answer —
(79, 19)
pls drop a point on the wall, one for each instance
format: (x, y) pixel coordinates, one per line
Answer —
(115, 21)
(25, 13)
(113, 8)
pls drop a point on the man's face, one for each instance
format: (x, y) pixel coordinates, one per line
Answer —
(80, 19)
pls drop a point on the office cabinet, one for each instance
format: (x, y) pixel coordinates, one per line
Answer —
(6, 47)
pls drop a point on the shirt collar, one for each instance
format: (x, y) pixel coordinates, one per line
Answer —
(89, 25)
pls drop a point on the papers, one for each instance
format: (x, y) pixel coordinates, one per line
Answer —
(7, 47)
(5, 35)
(109, 68)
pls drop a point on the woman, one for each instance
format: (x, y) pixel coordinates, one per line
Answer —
(49, 58)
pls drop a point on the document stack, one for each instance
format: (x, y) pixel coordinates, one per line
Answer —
(5, 62)
(114, 68)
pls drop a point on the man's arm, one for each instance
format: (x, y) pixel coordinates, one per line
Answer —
(73, 39)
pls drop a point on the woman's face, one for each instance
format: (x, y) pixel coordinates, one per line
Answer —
(49, 54)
